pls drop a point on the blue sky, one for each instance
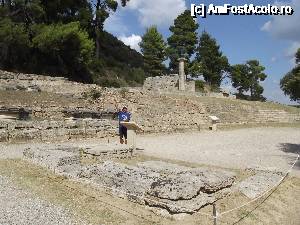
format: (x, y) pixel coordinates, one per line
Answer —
(272, 40)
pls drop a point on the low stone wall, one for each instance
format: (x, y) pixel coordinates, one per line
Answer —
(162, 83)
(242, 112)
(15, 131)
(166, 84)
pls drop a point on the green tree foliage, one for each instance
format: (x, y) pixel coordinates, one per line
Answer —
(290, 83)
(153, 48)
(58, 37)
(298, 56)
(246, 78)
(210, 61)
(14, 45)
(183, 39)
(66, 46)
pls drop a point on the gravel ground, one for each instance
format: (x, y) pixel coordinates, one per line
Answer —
(19, 207)
(265, 148)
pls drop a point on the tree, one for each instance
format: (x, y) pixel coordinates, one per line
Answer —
(66, 46)
(57, 38)
(211, 61)
(246, 77)
(153, 48)
(14, 45)
(298, 56)
(183, 39)
(290, 83)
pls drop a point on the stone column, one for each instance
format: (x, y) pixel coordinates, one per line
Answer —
(182, 78)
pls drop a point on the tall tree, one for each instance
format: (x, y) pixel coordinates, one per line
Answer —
(153, 48)
(183, 39)
(246, 78)
(212, 63)
(290, 83)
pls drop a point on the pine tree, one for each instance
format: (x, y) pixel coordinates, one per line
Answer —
(213, 64)
(183, 39)
(246, 77)
(153, 49)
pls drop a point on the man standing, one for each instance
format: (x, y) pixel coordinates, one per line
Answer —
(123, 116)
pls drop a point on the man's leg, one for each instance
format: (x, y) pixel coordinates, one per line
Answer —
(125, 135)
(121, 135)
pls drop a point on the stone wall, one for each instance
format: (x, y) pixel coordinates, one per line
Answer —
(16, 131)
(167, 84)
(162, 83)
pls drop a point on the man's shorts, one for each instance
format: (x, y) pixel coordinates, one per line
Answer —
(123, 132)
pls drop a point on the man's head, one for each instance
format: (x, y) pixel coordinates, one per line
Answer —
(124, 109)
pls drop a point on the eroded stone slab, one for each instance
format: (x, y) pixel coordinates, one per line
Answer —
(258, 184)
(62, 160)
(175, 188)
(212, 179)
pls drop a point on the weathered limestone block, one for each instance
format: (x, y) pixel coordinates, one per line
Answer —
(176, 187)
(108, 151)
(185, 190)
(187, 205)
(261, 182)
(52, 158)
(127, 181)
(211, 180)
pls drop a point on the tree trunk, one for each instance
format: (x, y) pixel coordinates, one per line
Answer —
(97, 30)
(251, 92)
(97, 43)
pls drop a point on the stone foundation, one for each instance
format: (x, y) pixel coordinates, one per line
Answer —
(158, 184)
(167, 84)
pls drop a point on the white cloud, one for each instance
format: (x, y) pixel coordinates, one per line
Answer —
(286, 27)
(290, 52)
(132, 41)
(227, 86)
(157, 12)
(274, 59)
(114, 24)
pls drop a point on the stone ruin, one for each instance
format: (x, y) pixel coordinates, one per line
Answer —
(172, 83)
(156, 184)
(160, 186)
(167, 84)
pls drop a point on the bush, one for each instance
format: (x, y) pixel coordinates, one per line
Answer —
(93, 94)
(14, 45)
(66, 47)
(200, 85)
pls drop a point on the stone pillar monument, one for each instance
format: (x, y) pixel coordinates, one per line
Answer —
(182, 77)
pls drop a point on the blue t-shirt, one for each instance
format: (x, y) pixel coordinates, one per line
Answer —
(124, 116)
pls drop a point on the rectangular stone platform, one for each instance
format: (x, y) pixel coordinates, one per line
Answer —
(108, 151)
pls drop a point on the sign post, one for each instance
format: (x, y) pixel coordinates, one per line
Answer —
(132, 128)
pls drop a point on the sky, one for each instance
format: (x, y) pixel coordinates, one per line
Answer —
(273, 40)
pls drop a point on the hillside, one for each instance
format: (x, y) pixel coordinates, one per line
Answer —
(65, 38)
(119, 64)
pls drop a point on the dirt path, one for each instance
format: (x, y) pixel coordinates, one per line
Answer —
(266, 148)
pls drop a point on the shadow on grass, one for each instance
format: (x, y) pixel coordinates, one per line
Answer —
(291, 148)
